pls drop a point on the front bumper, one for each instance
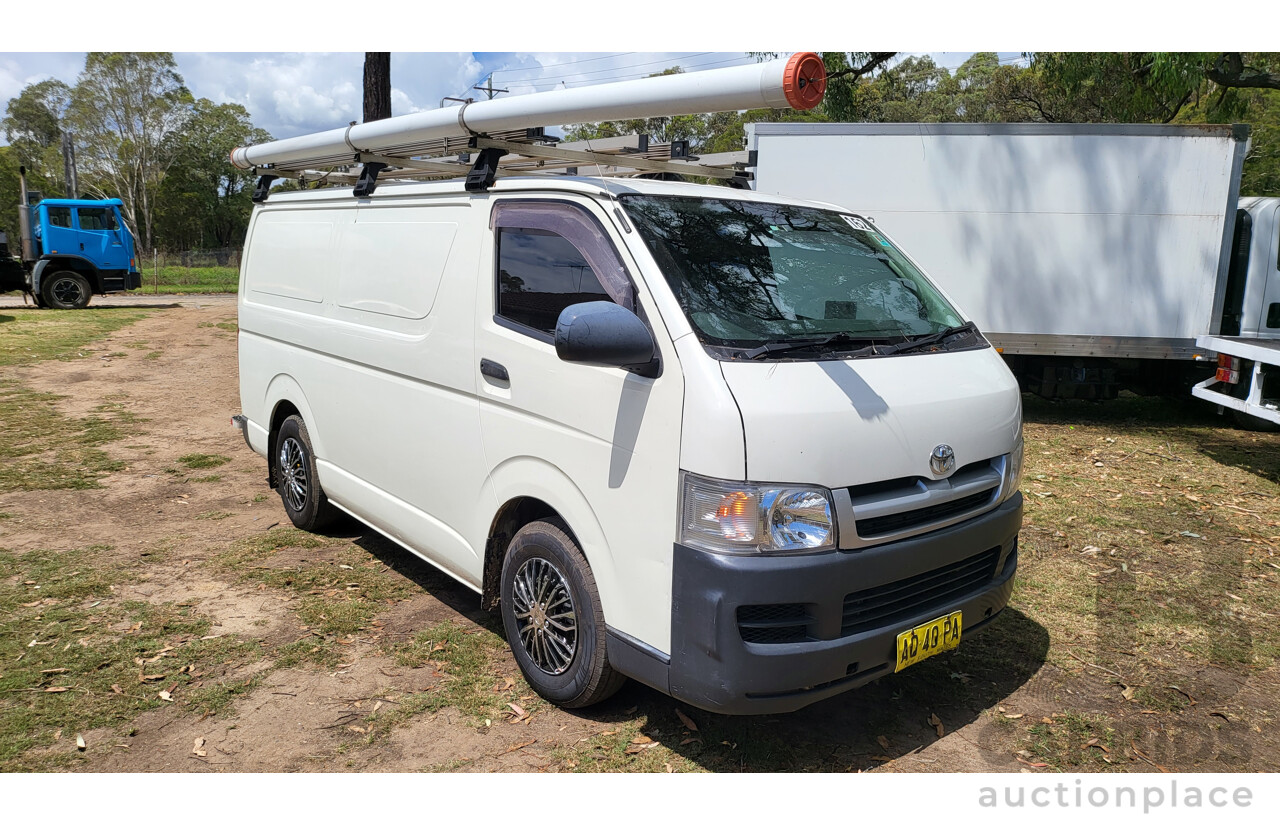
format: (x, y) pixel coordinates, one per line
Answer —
(713, 668)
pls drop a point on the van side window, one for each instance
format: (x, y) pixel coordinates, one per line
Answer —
(539, 274)
(551, 255)
(96, 219)
(60, 216)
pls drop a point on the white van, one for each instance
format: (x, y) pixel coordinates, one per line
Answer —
(734, 446)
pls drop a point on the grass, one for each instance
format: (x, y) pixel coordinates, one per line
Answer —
(77, 658)
(202, 461)
(1073, 742)
(42, 449)
(178, 279)
(472, 678)
(40, 334)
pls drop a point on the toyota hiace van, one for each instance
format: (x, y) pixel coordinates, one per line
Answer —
(734, 446)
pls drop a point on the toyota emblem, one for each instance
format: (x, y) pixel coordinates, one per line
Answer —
(942, 459)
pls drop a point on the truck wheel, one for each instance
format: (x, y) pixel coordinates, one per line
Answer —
(296, 481)
(1251, 422)
(553, 619)
(66, 290)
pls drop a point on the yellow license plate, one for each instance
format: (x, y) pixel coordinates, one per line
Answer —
(928, 639)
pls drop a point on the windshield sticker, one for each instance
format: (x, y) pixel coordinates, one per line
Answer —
(857, 223)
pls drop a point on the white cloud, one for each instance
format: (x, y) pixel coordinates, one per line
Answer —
(295, 93)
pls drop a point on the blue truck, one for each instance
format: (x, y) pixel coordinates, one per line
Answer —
(70, 250)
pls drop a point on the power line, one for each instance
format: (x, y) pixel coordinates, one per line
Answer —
(614, 68)
(745, 60)
(566, 63)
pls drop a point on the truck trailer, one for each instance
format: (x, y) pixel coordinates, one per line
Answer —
(1096, 257)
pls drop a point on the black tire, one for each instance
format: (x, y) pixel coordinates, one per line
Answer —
(1251, 422)
(65, 290)
(543, 553)
(294, 469)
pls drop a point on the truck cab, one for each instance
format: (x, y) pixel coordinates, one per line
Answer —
(1247, 379)
(77, 248)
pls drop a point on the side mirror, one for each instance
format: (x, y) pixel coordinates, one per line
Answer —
(605, 334)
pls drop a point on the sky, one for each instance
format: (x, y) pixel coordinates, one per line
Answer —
(290, 94)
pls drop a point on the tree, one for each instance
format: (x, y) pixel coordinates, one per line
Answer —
(377, 86)
(33, 123)
(204, 200)
(125, 109)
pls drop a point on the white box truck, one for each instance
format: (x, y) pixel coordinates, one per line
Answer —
(1094, 257)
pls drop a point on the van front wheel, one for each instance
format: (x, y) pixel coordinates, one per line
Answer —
(295, 474)
(553, 619)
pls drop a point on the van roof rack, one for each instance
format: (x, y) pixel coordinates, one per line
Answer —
(481, 141)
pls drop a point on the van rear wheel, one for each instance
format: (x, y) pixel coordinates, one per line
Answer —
(552, 615)
(296, 481)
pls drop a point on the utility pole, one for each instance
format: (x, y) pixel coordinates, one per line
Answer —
(488, 87)
(377, 86)
(69, 166)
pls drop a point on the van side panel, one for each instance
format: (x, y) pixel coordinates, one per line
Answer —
(383, 359)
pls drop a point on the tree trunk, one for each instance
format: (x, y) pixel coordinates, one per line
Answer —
(377, 86)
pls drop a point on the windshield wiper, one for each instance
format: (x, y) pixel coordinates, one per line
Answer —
(928, 340)
(798, 343)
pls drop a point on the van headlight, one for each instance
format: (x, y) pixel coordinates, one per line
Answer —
(738, 517)
(1012, 470)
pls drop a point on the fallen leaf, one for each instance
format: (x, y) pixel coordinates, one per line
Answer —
(165, 695)
(1128, 692)
(937, 724)
(355, 729)
(1032, 764)
(58, 689)
(80, 742)
(346, 567)
(55, 670)
(116, 689)
(686, 721)
(57, 734)
(634, 749)
(689, 740)
(667, 765)
(520, 713)
(439, 646)
(1014, 715)
(154, 677)
(631, 710)
(884, 742)
(199, 750)
(641, 740)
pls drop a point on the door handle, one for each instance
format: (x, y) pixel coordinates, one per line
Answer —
(494, 370)
(82, 247)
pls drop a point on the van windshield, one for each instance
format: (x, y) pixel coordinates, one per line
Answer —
(749, 274)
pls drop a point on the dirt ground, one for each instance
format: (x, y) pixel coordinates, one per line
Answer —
(969, 711)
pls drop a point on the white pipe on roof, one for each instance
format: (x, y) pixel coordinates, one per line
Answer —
(796, 82)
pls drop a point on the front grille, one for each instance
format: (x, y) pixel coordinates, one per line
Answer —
(887, 604)
(773, 623)
(897, 522)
